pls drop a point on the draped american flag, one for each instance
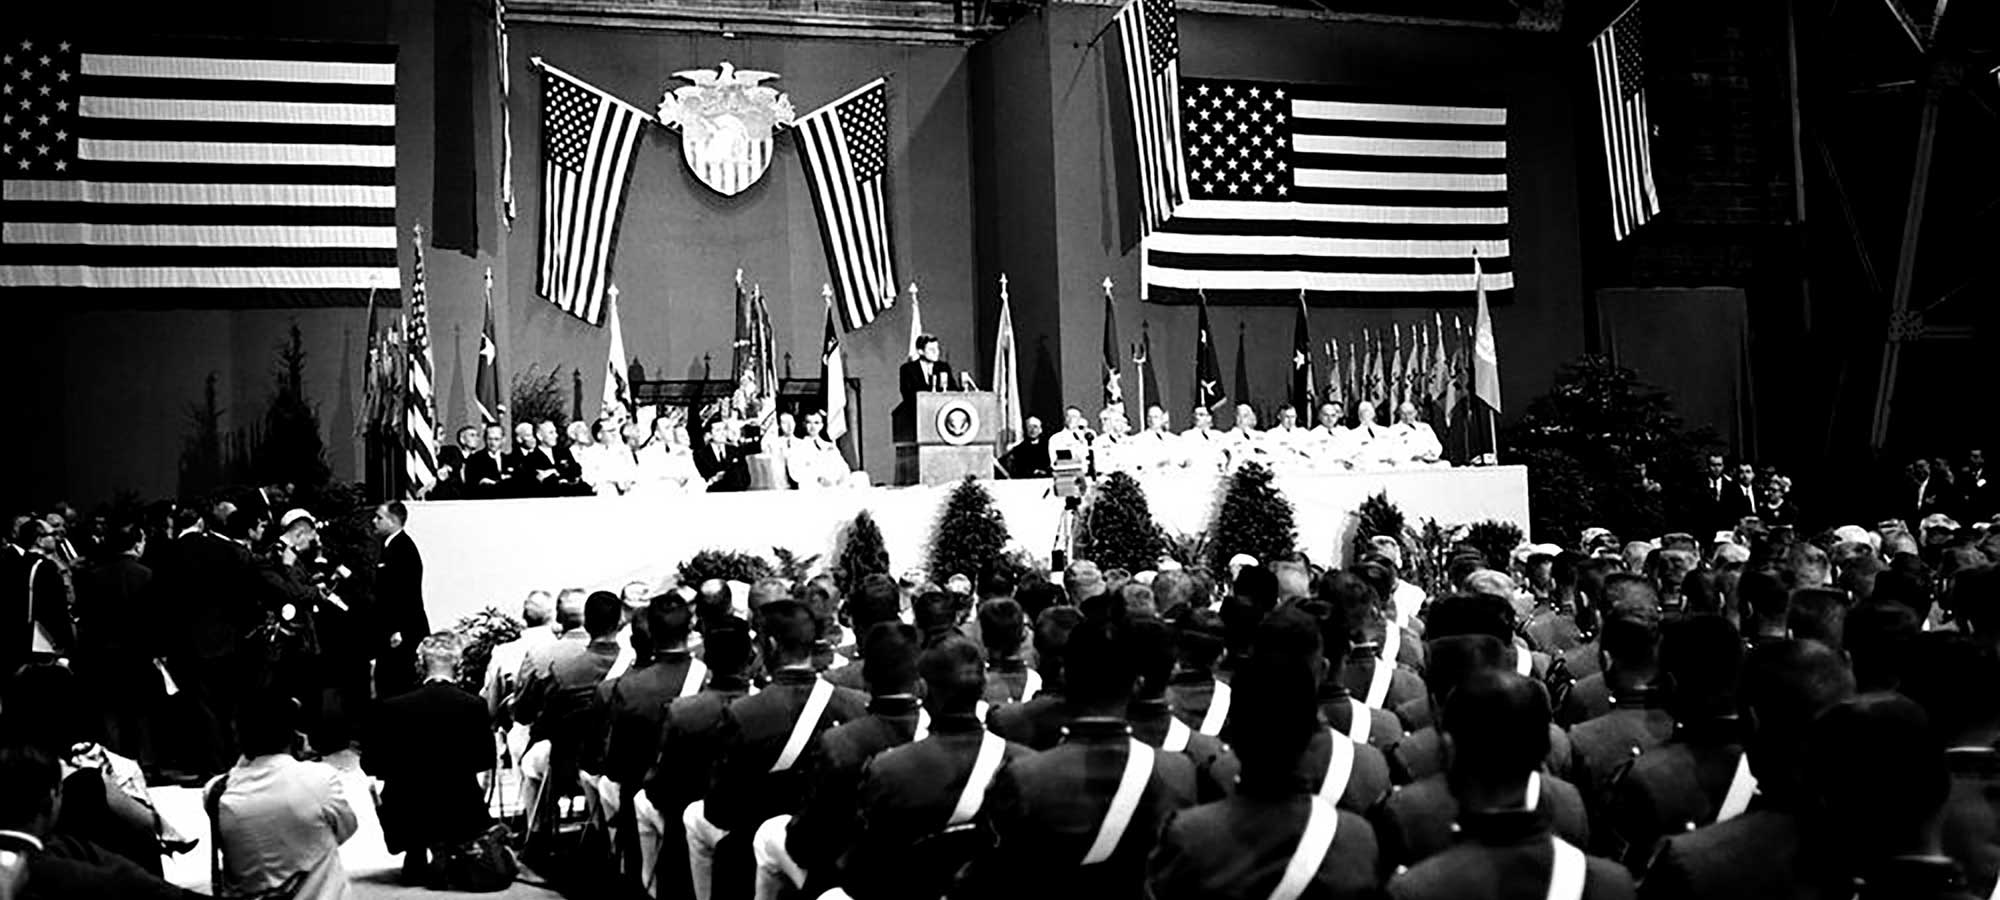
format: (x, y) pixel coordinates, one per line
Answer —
(1356, 197)
(1628, 135)
(198, 173)
(420, 404)
(1150, 37)
(589, 139)
(845, 148)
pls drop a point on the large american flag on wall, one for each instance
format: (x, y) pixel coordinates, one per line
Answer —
(198, 173)
(845, 148)
(589, 139)
(1356, 197)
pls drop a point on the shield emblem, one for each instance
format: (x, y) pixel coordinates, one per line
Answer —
(726, 118)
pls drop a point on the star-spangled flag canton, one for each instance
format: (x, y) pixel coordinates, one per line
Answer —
(1356, 197)
(845, 149)
(589, 139)
(1619, 66)
(198, 173)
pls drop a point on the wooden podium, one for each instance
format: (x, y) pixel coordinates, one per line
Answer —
(954, 438)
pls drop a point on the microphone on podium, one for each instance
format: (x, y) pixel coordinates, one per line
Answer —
(965, 382)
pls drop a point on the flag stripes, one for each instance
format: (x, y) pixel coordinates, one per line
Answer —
(589, 139)
(1619, 69)
(218, 173)
(1358, 198)
(1150, 44)
(844, 147)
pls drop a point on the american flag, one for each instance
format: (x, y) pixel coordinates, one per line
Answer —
(845, 147)
(589, 139)
(420, 406)
(1628, 140)
(198, 173)
(1151, 45)
(1356, 197)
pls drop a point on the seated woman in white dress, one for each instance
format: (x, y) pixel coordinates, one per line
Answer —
(1414, 441)
(666, 463)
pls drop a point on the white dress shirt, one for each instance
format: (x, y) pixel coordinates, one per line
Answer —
(279, 816)
(1415, 442)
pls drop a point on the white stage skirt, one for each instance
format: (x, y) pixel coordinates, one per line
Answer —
(480, 553)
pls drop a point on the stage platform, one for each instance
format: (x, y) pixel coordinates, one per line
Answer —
(492, 552)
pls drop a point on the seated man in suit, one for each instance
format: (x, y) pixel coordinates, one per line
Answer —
(550, 470)
(489, 469)
(429, 748)
(719, 461)
(517, 458)
(451, 462)
(927, 372)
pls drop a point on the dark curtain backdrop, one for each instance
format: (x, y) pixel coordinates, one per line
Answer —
(1692, 343)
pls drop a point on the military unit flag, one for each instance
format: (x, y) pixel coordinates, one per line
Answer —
(1207, 367)
(1302, 391)
(1006, 380)
(1114, 355)
(833, 373)
(186, 173)
(589, 139)
(486, 387)
(617, 399)
(845, 148)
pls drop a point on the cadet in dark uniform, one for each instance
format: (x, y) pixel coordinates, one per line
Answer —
(763, 738)
(1764, 853)
(876, 599)
(1884, 825)
(1632, 599)
(1498, 723)
(1637, 722)
(1038, 723)
(1276, 836)
(1192, 689)
(1941, 668)
(1361, 762)
(1680, 783)
(1215, 767)
(1081, 819)
(689, 745)
(1420, 754)
(1009, 678)
(1422, 818)
(1368, 674)
(792, 849)
(916, 799)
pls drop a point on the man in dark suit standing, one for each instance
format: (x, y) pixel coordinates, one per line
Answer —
(488, 470)
(928, 372)
(119, 626)
(429, 747)
(719, 462)
(37, 606)
(399, 601)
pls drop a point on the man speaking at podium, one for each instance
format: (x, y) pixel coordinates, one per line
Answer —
(928, 372)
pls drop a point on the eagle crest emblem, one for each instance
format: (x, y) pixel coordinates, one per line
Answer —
(726, 118)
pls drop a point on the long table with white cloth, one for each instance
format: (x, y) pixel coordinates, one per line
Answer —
(480, 553)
